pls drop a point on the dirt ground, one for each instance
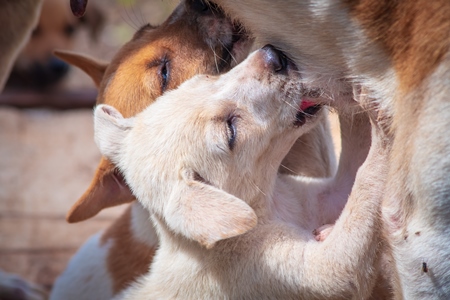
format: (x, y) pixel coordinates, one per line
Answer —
(48, 158)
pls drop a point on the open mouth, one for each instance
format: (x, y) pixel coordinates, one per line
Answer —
(307, 110)
(278, 63)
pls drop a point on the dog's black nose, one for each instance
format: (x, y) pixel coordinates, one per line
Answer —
(47, 75)
(58, 68)
(274, 58)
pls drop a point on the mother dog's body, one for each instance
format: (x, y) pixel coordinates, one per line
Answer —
(398, 51)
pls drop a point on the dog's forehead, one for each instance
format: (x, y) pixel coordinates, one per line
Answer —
(170, 134)
(196, 99)
(226, 88)
(185, 113)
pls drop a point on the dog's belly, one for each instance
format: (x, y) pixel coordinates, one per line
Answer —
(417, 205)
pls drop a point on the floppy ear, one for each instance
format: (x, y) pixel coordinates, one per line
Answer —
(206, 214)
(92, 67)
(107, 189)
(110, 130)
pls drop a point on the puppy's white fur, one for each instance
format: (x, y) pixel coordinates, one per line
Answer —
(229, 225)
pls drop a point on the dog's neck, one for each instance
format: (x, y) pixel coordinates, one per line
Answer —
(141, 225)
(263, 199)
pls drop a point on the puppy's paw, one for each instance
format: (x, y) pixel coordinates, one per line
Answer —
(17, 288)
(321, 233)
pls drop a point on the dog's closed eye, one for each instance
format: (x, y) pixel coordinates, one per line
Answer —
(164, 74)
(163, 71)
(231, 131)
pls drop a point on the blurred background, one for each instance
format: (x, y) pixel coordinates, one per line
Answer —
(105, 27)
(47, 151)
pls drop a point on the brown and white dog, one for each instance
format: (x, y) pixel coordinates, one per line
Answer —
(398, 52)
(195, 39)
(203, 161)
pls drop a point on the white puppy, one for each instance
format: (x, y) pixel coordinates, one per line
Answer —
(229, 225)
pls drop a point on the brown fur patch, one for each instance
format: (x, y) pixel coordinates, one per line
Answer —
(128, 258)
(415, 34)
(131, 82)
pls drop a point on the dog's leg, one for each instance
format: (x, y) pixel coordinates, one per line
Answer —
(355, 141)
(345, 260)
(17, 20)
(343, 265)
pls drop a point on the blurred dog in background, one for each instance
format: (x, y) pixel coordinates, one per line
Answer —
(17, 19)
(36, 67)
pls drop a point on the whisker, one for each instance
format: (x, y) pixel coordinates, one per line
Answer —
(228, 52)
(295, 108)
(290, 170)
(130, 22)
(218, 55)
(139, 18)
(257, 187)
(215, 58)
(128, 12)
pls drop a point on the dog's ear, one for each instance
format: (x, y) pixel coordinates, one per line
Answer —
(206, 214)
(110, 130)
(108, 187)
(91, 66)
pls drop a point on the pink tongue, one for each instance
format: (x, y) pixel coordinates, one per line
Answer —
(305, 104)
